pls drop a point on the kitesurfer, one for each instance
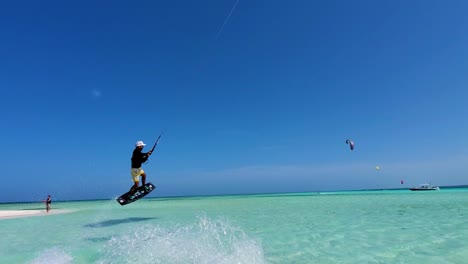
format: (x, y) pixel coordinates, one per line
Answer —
(138, 158)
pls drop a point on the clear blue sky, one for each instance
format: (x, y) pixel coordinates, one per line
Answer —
(255, 96)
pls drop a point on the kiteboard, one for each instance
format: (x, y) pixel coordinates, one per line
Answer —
(139, 193)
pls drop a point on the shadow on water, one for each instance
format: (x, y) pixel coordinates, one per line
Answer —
(98, 239)
(118, 221)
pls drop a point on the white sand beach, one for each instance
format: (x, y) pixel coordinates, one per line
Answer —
(6, 214)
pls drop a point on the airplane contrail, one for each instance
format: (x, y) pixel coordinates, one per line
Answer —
(226, 20)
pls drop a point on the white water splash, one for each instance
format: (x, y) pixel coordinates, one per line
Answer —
(53, 255)
(206, 241)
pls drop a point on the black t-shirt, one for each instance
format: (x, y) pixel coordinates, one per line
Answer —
(138, 158)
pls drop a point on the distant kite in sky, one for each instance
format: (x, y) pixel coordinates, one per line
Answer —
(351, 143)
(377, 167)
(401, 182)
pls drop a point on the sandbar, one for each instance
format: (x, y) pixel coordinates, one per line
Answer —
(7, 214)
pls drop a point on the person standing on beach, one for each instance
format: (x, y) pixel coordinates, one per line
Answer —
(48, 201)
(138, 158)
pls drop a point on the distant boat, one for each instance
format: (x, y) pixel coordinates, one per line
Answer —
(425, 187)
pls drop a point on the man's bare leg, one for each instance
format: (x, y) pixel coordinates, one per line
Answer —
(143, 179)
(134, 187)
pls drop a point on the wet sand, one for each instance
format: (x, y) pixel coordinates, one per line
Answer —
(6, 214)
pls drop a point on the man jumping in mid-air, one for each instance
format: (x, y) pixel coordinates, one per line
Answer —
(138, 158)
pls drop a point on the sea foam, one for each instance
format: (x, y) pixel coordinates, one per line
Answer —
(53, 255)
(205, 241)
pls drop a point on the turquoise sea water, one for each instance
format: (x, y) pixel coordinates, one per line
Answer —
(336, 227)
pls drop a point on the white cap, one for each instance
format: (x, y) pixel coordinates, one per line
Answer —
(140, 143)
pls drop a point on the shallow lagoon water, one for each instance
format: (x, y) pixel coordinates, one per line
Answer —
(335, 227)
